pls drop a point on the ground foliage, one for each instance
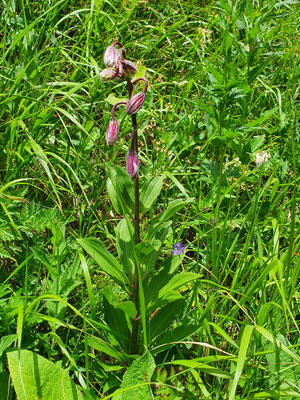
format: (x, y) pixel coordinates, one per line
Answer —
(219, 127)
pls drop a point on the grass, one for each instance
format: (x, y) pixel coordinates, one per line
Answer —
(223, 88)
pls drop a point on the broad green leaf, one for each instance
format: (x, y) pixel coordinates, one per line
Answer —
(100, 345)
(6, 341)
(279, 363)
(263, 117)
(150, 192)
(157, 239)
(241, 359)
(157, 281)
(256, 143)
(112, 99)
(140, 72)
(277, 343)
(125, 245)
(103, 258)
(120, 190)
(176, 335)
(164, 317)
(136, 381)
(117, 320)
(178, 282)
(173, 207)
(34, 377)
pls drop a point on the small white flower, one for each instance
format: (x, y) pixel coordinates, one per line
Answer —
(262, 157)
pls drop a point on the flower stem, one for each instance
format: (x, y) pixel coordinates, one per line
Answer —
(135, 283)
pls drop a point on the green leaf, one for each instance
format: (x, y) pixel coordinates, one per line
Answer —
(163, 318)
(176, 335)
(157, 238)
(173, 207)
(203, 367)
(100, 345)
(125, 245)
(6, 341)
(281, 364)
(103, 258)
(150, 192)
(178, 281)
(241, 359)
(89, 285)
(140, 72)
(117, 319)
(120, 190)
(112, 99)
(157, 282)
(136, 381)
(34, 377)
(277, 343)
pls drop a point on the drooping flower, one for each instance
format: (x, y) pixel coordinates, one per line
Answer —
(107, 75)
(112, 132)
(110, 56)
(129, 69)
(135, 103)
(132, 163)
(178, 248)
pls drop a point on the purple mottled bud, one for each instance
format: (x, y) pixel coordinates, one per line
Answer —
(129, 69)
(107, 75)
(110, 56)
(135, 103)
(119, 70)
(132, 163)
(112, 132)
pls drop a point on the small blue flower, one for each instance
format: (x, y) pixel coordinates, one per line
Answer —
(178, 249)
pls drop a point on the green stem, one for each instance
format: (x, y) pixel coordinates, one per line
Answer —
(215, 219)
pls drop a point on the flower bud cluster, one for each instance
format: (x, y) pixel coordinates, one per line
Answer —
(119, 67)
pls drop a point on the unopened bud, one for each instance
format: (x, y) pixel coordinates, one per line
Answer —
(112, 132)
(135, 103)
(132, 163)
(110, 56)
(129, 68)
(107, 75)
(119, 70)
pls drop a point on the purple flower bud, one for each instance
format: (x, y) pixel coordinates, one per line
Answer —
(107, 75)
(129, 69)
(112, 132)
(110, 56)
(119, 70)
(132, 163)
(135, 103)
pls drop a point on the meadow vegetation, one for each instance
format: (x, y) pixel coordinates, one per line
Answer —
(219, 169)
